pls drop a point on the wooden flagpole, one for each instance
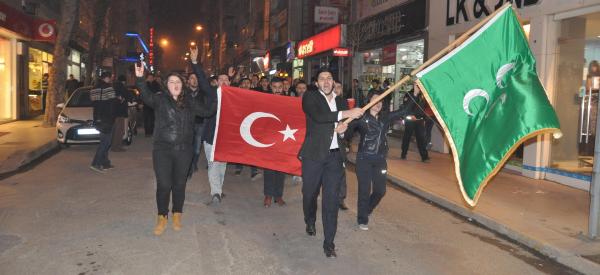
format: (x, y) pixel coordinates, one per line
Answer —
(433, 59)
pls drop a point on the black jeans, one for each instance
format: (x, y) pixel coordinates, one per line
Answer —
(171, 168)
(148, 120)
(429, 122)
(273, 183)
(101, 156)
(371, 172)
(328, 173)
(418, 129)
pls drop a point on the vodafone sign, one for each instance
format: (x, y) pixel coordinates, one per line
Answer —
(26, 26)
(324, 41)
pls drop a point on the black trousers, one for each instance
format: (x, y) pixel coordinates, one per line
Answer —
(327, 173)
(171, 169)
(101, 156)
(417, 127)
(429, 122)
(371, 174)
(273, 183)
(343, 188)
(148, 120)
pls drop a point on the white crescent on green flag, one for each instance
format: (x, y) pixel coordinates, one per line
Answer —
(487, 96)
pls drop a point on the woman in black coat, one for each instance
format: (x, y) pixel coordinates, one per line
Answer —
(175, 113)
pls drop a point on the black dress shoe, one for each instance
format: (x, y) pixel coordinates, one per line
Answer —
(330, 253)
(343, 206)
(311, 230)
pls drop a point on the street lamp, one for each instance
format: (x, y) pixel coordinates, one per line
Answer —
(198, 28)
(164, 42)
(192, 43)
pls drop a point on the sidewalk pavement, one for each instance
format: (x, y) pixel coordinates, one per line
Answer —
(547, 217)
(22, 142)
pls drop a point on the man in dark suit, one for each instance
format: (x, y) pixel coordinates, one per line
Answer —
(322, 156)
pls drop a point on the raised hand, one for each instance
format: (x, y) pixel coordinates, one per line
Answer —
(231, 71)
(194, 54)
(139, 70)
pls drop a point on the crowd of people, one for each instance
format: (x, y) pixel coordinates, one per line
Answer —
(180, 115)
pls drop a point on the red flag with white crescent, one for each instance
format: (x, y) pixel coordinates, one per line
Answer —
(259, 129)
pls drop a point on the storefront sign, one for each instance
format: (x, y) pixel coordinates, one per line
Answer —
(341, 52)
(327, 40)
(389, 55)
(27, 26)
(391, 24)
(151, 47)
(326, 15)
(460, 11)
(367, 8)
(290, 54)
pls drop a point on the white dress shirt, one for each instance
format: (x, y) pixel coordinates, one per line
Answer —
(333, 108)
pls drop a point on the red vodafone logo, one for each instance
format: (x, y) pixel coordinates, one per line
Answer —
(46, 30)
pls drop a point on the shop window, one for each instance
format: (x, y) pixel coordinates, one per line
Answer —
(39, 64)
(6, 94)
(577, 84)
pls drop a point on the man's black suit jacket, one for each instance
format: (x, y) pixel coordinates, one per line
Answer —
(320, 126)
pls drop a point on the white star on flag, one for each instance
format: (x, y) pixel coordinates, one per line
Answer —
(288, 133)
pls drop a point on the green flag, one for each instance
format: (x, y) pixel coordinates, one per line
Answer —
(487, 96)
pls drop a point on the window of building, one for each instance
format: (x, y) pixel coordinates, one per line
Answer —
(577, 85)
(6, 93)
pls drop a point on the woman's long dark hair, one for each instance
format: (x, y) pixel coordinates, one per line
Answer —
(180, 102)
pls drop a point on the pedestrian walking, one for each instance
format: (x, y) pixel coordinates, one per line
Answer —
(71, 85)
(104, 103)
(322, 158)
(274, 180)
(415, 125)
(200, 95)
(371, 165)
(216, 169)
(245, 83)
(122, 113)
(172, 152)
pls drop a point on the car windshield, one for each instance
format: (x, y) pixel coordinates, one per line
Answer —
(80, 98)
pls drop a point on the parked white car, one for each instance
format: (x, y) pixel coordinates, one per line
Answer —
(75, 121)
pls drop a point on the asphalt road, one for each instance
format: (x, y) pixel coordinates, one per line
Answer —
(62, 218)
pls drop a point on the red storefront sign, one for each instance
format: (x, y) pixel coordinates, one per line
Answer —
(27, 26)
(151, 51)
(341, 52)
(389, 55)
(324, 41)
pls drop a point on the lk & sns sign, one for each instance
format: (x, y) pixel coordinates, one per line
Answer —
(460, 11)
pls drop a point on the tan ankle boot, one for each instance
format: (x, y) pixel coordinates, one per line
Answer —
(177, 221)
(161, 225)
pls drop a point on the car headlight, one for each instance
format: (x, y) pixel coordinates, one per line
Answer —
(63, 118)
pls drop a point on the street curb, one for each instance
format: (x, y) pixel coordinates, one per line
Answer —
(20, 159)
(573, 261)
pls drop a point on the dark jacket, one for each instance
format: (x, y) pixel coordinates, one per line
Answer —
(199, 95)
(104, 103)
(124, 96)
(373, 140)
(320, 123)
(174, 126)
(210, 123)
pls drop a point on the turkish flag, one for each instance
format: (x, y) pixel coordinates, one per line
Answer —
(259, 129)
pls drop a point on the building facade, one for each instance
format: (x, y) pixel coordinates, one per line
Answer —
(565, 39)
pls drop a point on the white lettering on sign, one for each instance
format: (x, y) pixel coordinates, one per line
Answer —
(326, 15)
(2, 16)
(306, 48)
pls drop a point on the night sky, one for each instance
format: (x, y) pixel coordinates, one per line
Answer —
(175, 20)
